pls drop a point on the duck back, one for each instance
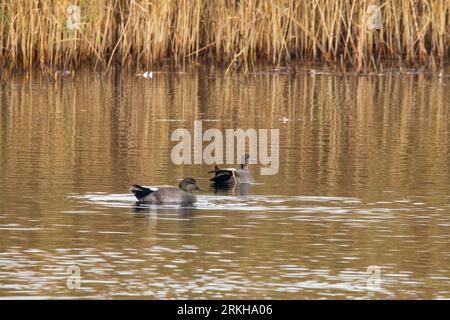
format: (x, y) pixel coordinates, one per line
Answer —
(172, 195)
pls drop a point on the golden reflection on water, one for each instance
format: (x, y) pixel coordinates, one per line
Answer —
(364, 180)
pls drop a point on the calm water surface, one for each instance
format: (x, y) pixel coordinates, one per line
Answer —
(364, 180)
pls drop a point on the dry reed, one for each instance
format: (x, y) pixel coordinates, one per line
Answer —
(141, 33)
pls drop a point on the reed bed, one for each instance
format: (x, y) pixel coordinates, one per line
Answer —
(54, 34)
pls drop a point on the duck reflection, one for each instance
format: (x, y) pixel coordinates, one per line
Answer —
(142, 210)
(242, 189)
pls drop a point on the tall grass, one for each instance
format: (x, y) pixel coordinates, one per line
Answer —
(140, 33)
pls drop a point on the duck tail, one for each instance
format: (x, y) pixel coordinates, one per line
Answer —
(140, 192)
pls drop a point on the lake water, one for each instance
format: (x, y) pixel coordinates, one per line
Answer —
(363, 187)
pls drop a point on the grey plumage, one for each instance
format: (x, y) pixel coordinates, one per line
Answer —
(166, 194)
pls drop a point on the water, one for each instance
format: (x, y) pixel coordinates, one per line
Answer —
(364, 180)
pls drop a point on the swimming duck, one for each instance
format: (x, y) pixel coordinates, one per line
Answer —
(167, 194)
(232, 176)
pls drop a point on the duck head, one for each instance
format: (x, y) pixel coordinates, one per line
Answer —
(245, 161)
(189, 185)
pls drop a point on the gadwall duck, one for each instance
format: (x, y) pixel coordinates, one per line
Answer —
(168, 194)
(233, 176)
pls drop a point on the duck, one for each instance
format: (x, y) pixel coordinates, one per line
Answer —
(233, 176)
(167, 194)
